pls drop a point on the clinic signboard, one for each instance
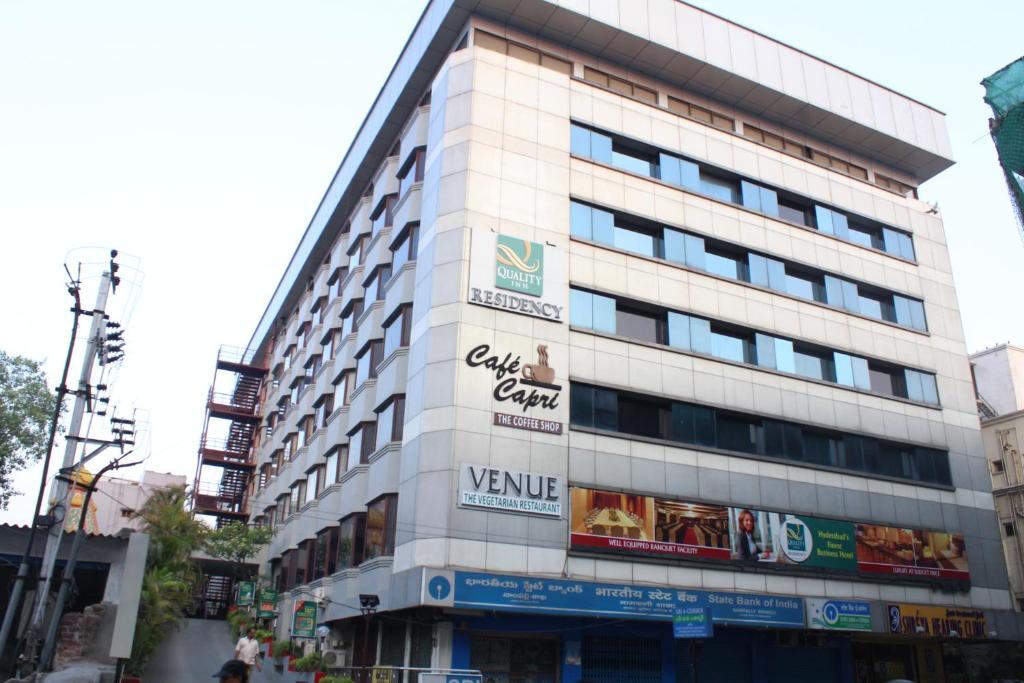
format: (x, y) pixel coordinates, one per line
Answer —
(931, 621)
(517, 275)
(507, 593)
(635, 524)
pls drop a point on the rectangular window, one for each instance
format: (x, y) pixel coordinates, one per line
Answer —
(643, 417)
(397, 329)
(813, 364)
(679, 172)
(921, 386)
(637, 240)
(866, 236)
(640, 325)
(368, 359)
(351, 535)
(312, 485)
(323, 408)
(380, 527)
(630, 158)
(729, 344)
(590, 223)
(594, 407)
(405, 248)
(759, 198)
(327, 346)
(909, 312)
(725, 263)
(350, 316)
(411, 171)
(355, 251)
(390, 421)
(591, 144)
(337, 281)
(793, 211)
(375, 283)
(694, 424)
(346, 383)
(383, 216)
(362, 441)
(804, 284)
(720, 188)
(592, 311)
(331, 471)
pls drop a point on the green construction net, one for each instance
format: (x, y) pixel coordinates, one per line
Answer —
(1004, 92)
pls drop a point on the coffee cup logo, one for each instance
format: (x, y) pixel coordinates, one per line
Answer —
(539, 372)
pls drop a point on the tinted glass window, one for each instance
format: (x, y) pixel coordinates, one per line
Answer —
(636, 241)
(638, 325)
(729, 347)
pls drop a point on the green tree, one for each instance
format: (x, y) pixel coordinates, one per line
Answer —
(171, 577)
(26, 407)
(238, 542)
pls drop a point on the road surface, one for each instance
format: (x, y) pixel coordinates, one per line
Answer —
(195, 651)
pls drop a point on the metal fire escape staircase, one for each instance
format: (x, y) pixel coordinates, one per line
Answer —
(222, 493)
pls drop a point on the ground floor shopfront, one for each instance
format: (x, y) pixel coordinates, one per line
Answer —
(513, 648)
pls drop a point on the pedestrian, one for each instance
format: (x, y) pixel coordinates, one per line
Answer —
(247, 649)
(233, 671)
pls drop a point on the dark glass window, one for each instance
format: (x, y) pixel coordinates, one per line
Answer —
(700, 425)
(638, 324)
(640, 417)
(736, 433)
(793, 211)
(380, 527)
(351, 534)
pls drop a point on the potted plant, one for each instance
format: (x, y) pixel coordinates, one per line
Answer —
(336, 679)
(307, 664)
(265, 637)
(281, 649)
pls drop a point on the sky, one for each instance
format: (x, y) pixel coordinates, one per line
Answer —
(197, 139)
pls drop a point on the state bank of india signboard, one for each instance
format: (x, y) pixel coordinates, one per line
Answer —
(517, 275)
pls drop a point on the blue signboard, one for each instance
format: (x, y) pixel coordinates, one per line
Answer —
(745, 609)
(692, 622)
(558, 596)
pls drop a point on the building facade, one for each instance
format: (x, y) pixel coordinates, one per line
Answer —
(620, 329)
(999, 380)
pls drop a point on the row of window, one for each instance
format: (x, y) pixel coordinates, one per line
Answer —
(403, 250)
(357, 538)
(364, 439)
(656, 325)
(702, 426)
(733, 261)
(725, 186)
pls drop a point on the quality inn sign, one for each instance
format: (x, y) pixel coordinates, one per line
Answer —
(517, 275)
(519, 266)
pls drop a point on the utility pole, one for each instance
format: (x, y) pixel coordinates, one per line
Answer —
(95, 346)
(74, 289)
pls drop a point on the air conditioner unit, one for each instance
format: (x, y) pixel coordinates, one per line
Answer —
(334, 659)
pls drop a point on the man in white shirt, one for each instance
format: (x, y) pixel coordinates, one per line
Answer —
(248, 651)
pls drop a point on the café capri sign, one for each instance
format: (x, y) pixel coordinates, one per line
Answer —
(521, 384)
(510, 491)
(517, 275)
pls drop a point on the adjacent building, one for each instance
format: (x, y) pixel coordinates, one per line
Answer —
(999, 377)
(620, 328)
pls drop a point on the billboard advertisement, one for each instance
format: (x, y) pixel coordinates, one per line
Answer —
(617, 522)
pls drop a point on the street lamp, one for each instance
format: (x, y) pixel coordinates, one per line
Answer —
(368, 606)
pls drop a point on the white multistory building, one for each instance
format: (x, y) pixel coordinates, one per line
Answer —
(617, 311)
